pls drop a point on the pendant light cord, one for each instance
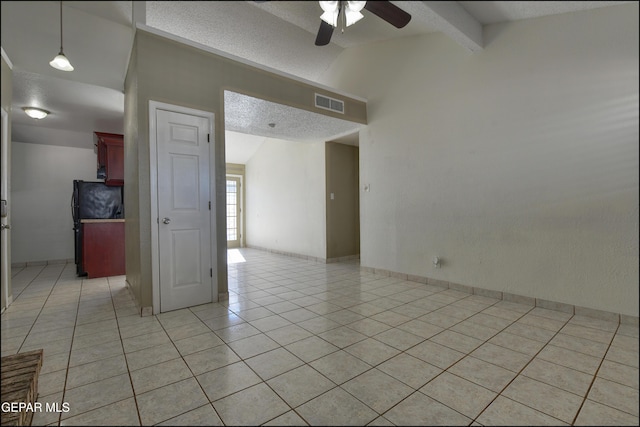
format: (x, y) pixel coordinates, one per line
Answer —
(60, 25)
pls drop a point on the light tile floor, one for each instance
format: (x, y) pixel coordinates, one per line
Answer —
(302, 343)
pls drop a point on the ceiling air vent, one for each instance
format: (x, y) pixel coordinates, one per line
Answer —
(327, 103)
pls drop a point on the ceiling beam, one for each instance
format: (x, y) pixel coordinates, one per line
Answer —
(450, 18)
(138, 13)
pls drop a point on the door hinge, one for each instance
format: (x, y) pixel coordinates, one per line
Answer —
(211, 272)
(209, 205)
(208, 137)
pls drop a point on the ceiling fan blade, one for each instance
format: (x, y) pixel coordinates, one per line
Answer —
(324, 34)
(389, 12)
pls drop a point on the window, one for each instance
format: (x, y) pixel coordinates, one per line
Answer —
(233, 211)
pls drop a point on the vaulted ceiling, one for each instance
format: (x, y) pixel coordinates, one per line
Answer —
(280, 35)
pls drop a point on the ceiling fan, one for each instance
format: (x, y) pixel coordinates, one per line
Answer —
(349, 13)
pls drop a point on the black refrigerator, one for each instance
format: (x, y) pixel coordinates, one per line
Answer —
(93, 200)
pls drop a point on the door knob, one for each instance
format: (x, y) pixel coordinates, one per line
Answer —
(166, 220)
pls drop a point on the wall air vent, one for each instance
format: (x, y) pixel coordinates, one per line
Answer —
(331, 104)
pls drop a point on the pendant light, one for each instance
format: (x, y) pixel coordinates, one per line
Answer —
(61, 62)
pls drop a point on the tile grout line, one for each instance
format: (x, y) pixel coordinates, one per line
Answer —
(371, 367)
(595, 377)
(265, 381)
(75, 323)
(519, 373)
(124, 353)
(401, 351)
(194, 376)
(39, 311)
(417, 390)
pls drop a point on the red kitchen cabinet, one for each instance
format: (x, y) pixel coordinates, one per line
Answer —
(103, 247)
(110, 157)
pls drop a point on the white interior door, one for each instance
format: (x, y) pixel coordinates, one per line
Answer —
(184, 210)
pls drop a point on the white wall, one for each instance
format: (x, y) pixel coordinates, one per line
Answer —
(518, 165)
(41, 188)
(285, 204)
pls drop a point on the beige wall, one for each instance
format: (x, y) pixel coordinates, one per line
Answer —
(343, 211)
(7, 88)
(171, 72)
(285, 198)
(289, 207)
(42, 182)
(235, 169)
(517, 165)
(132, 182)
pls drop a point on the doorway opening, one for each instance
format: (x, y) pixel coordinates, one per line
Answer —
(280, 203)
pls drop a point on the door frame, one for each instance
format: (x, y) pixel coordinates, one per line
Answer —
(5, 257)
(153, 184)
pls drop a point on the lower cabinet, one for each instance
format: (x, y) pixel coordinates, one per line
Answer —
(103, 248)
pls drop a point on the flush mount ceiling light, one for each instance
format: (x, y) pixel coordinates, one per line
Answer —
(35, 113)
(61, 62)
(350, 10)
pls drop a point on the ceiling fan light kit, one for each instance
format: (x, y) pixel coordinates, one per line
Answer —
(60, 62)
(350, 13)
(331, 10)
(351, 10)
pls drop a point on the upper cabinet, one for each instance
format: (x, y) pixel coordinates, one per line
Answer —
(110, 157)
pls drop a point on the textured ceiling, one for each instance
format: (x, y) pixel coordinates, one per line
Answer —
(249, 119)
(245, 31)
(38, 90)
(494, 12)
(246, 114)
